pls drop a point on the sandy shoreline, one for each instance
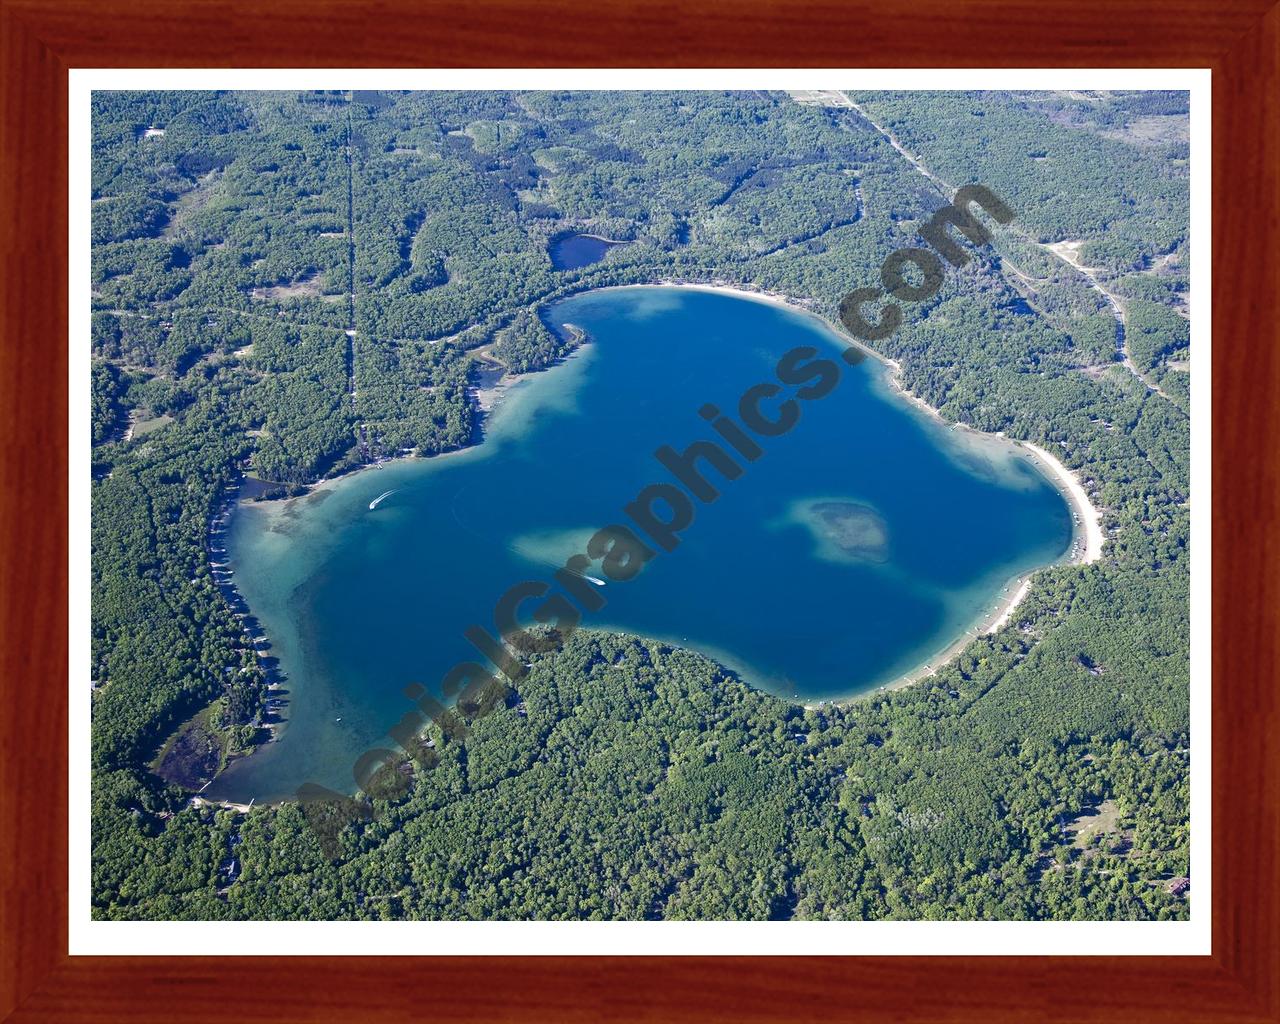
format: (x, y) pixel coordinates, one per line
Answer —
(1090, 519)
(1010, 597)
(226, 805)
(1009, 606)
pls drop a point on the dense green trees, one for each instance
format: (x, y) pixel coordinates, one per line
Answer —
(301, 282)
(106, 387)
(1098, 179)
(1058, 161)
(693, 796)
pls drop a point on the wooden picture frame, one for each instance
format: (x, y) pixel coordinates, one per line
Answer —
(42, 39)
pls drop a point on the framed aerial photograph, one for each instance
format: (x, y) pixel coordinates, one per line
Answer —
(541, 540)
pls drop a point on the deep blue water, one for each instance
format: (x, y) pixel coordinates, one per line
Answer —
(360, 603)
(574, 251)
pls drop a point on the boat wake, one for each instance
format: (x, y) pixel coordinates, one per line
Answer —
(378, 500)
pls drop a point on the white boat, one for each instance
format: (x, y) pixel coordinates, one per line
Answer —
(376, 501)
(598, 583)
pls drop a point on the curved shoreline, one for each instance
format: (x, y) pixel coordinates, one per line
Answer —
(1090, 518)
(1087, 518)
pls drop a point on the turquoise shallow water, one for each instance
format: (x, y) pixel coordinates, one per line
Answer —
(860, 543)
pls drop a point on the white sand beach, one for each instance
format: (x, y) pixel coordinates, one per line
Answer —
(1090, 517)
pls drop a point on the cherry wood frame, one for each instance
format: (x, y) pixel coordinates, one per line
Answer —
(41, 39)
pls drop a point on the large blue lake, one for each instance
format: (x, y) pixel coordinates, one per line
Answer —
(862, 543)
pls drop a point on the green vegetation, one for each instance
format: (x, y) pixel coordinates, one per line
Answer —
(304, 283)
(1053, 157)
(1088, 195)
(694, 796)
